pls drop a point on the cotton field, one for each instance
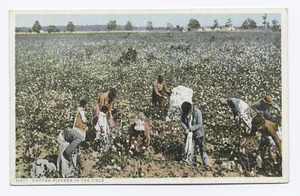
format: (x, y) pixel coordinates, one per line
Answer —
(53, 72)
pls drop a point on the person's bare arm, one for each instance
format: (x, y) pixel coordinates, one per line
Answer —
(166, 88)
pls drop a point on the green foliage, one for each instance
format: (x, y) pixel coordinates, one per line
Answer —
(36, 27)
(128, 57)
(70, 27)
(112, 25)
(52, 29)
(51, 80)
(149, 26)
(52, 174)
(169, 27)
(216, 24)
(228, 23)
(265, 21)
(275, 25)
(128, 26)
(194, 24)
(249, 24)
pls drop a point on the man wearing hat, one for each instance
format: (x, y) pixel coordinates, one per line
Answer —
(241, 110)
(68, 141)
(271, 137)
(191, 121)
(262, 107)
(139, 135)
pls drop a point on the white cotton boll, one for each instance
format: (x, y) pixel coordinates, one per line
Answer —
(240, 168)
(109, 167)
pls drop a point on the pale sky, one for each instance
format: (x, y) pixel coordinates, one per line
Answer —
(158, 20)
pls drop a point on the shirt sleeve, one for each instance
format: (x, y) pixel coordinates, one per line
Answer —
(276, 107)
(277, 140)
(184, 126)
(96, 110)
(198, 122)
(256, 106)
(70, 149)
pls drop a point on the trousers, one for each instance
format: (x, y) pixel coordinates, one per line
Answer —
(200, 141)
(63, 165)
(158, 102)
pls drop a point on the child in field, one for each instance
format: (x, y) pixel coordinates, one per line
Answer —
(80, 122)
(102, 129)
(107, 99)
(139, 135)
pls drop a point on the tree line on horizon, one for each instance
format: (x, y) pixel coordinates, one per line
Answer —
(193, 24)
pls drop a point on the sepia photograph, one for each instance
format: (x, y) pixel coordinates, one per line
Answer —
(152, 96)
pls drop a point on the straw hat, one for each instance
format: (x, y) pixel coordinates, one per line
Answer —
(268, 99)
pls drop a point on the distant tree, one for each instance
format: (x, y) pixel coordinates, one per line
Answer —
(112, 25)
(128, 26)
(252, 24)
(70, 27)
(36, 27)
(228, 23)
(249, 24)
(245, 24)
(149, 26)
(275, 25)
(169, 27)
(29, 30)
(216, 24)
(52, 29)
(194, 24)
(265, 21)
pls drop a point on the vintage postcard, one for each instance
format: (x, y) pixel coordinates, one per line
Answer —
(190, 96)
